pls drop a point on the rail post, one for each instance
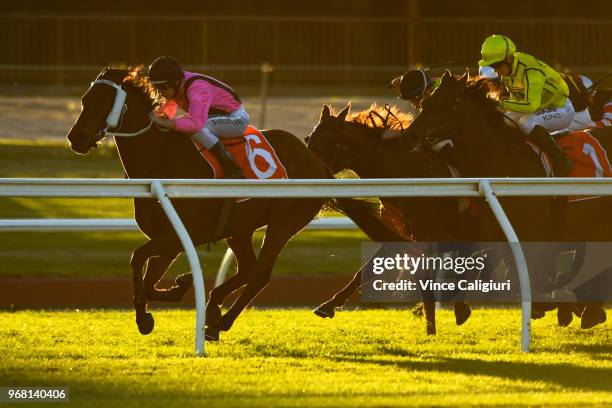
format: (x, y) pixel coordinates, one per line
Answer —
(198, 280)
(484, 186)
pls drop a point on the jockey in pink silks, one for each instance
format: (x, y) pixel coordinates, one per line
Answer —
(213, 109)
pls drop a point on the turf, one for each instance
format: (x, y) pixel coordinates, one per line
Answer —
(274, 358)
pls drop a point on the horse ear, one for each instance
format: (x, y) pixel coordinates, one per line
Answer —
(463, 79)
(447, 76)
(325, 113)
(104, 70)
(342, 115)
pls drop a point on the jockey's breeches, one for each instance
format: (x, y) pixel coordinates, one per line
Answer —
(553, 119)
(223, 126)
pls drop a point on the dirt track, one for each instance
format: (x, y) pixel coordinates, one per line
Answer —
(51, 118)
(116, 292)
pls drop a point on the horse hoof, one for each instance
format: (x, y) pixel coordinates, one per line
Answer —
(211, 333)
(418, 311)
(325, 311)
(463, 311)
(145, 324)
(578, 309)
(592, 316)
(564, 315)
(431, 330)
(213, 314)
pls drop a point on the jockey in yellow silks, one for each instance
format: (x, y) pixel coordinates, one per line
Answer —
(538, 101)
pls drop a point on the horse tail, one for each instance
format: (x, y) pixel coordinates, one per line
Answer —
(368, 217)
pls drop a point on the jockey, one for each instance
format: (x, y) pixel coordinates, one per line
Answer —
(214, 109)
(579, 95)
(414, 86)
(600, 107)
(588, 102)
(538, 97)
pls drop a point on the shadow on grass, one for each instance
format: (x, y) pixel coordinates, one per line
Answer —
(563, 374)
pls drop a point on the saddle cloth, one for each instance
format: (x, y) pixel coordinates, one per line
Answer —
(588, 156)
(253, 153)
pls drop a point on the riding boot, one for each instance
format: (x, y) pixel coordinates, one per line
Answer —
(230, 168)
(561, 164)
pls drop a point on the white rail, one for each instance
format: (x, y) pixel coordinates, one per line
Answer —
(141, 188)
(165, 189)
(129, 224)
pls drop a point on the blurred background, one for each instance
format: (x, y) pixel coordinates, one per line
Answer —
(315, 43)
(286, 58)
(337, 50)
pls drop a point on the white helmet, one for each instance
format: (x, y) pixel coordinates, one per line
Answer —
(487, 72)
(586, 82)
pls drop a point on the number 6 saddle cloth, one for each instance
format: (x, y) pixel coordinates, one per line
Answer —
(253, 153)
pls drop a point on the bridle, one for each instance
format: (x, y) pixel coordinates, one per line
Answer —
(114, 120)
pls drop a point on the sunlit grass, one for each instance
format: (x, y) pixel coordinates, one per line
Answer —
(291, 358)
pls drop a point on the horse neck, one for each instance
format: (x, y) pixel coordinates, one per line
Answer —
(140, 155)
(374, 162)
(482, 151)
(479, 155)
(137, 153)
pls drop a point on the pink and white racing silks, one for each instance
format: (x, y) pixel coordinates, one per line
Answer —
(204, 95)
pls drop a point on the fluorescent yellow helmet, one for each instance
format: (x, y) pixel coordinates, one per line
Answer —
(496, 48)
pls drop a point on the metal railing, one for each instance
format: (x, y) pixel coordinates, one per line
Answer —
(163, 190)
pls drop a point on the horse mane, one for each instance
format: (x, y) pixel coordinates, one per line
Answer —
(382, 117)
(137, 80)
(484, 93)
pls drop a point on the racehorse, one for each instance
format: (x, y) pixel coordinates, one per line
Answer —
(461, 114)
(119, 103)
(356, 144)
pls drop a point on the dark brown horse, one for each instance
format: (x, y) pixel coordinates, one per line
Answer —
(355, 143)
(154, 154)
(460, 114)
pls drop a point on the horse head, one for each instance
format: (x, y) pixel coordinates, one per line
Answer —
(331, 140)
(461, 113)
(103, 109)
(354, 142)
(441, 111)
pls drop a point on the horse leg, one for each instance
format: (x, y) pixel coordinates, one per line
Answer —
(242, 246)
(144, 319)
(327, 309)
(463, 311)
(257, 280)
(291, 220)
(593, 314)
(156, 267)
(430, 317)
(565, 314)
